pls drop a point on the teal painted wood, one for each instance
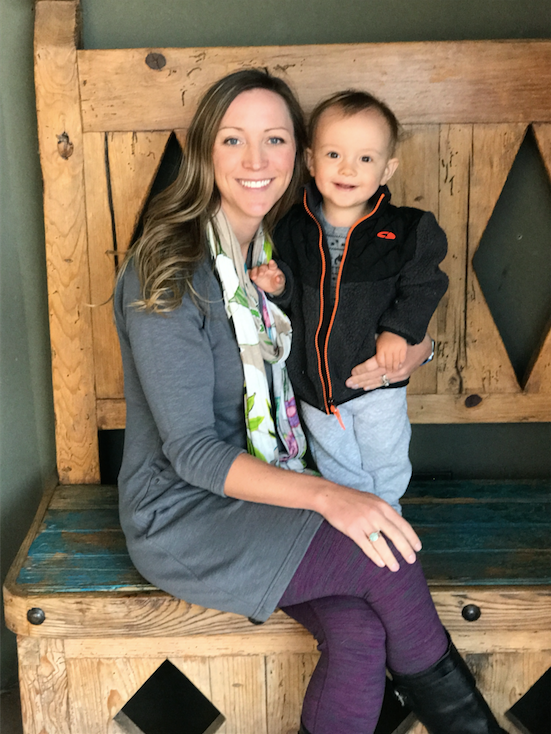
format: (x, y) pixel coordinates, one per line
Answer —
(473, 533)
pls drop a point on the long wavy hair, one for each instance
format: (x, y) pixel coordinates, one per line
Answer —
(172, 243)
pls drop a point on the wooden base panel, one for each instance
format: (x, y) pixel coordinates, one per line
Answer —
(67, 689)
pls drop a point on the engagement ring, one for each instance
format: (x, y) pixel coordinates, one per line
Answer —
(373, 536)
(385, 380)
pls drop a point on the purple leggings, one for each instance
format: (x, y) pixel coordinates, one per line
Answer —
(364, 618)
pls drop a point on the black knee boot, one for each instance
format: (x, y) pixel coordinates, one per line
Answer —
(446, 699)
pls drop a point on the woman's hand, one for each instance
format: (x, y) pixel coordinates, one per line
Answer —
(369, 375)
(359, 514)
(354, 513)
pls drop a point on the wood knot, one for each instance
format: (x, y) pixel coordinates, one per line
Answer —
(155, 61)
(471, 401)
(64, 146)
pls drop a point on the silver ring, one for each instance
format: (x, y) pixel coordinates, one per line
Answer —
(385, 381)
(373, 536)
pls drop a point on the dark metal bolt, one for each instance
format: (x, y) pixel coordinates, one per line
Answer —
(36, 615)
(471, 612)
(155, 61)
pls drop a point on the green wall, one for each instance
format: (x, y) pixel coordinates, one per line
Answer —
(26, 426)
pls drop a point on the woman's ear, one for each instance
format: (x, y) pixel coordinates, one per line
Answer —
(391, 167)
(310, 162)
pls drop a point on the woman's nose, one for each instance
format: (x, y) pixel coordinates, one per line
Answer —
(254, 157)
(347, 168)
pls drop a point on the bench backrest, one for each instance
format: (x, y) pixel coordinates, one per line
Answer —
(104, 121)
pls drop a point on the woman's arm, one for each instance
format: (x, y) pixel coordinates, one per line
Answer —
(354, 513)
(369, 375)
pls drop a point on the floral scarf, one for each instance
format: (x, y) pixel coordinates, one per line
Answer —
(263, 333)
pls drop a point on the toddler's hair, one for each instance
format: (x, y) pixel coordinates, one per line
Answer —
(352, 101)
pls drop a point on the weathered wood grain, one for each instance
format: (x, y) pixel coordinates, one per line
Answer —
(488, 367)
(238, 690)
(111, 414)
(297, 642)
(134, 160)
(61, 155)
(415, 183)
(287, 677)
(455, 163)
(43, 687)
(443, 82)
(487, 407)
(99, 688)
(102, 254)
(445, 408)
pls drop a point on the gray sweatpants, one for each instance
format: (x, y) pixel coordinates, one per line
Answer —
(371, 454)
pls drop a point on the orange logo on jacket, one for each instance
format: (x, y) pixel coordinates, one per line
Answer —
(386, 235)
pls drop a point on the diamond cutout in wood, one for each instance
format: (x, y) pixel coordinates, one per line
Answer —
(169, 703)
(532, 713)
(513, 260)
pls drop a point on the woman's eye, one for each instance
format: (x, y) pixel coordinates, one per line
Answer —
(276, 140)
(366, 159)
(231, 141)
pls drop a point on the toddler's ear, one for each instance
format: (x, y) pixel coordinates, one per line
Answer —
(310, 162)
(390, 169)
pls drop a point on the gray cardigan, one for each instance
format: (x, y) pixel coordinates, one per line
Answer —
(183, 384)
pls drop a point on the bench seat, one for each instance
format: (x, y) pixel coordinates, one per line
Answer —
(479, 538)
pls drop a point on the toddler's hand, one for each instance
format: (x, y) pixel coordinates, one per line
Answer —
(391, 350)
(268, 277)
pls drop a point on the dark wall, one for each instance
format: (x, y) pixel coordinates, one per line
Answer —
(26, 426)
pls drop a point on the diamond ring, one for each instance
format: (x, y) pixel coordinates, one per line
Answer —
(385, 381)
(373, 536)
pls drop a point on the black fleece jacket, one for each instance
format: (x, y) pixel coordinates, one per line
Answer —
(389, 280)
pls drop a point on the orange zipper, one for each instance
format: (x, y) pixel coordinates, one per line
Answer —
(330, 407)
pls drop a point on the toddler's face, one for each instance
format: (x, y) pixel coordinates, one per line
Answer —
(350, 159)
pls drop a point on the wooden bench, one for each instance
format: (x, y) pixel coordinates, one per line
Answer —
(90, 629)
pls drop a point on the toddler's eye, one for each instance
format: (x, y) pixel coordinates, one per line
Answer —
(366, 159)
(332, 154)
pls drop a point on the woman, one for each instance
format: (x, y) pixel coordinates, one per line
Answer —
(214, 524)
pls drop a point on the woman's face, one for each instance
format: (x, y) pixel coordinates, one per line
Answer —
(253, 156)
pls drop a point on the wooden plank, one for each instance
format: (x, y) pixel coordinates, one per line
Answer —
(455, 164)
(415, 183)
(156, 614)
(43, 687)
(238, 690)
(477, 490)
(488, 367)
(107, 358)
(98, 689)
(134, 160)
(485, 408)
(61, 155)
(298, 642)
(504, 408)
(443, 82)
(111, 414)
(287, 677)
(84, 496)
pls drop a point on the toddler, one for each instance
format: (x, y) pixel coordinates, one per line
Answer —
(360, 278)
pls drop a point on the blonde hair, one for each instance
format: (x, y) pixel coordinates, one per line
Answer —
(172, 243)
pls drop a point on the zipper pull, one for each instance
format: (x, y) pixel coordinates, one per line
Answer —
(336, 413)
